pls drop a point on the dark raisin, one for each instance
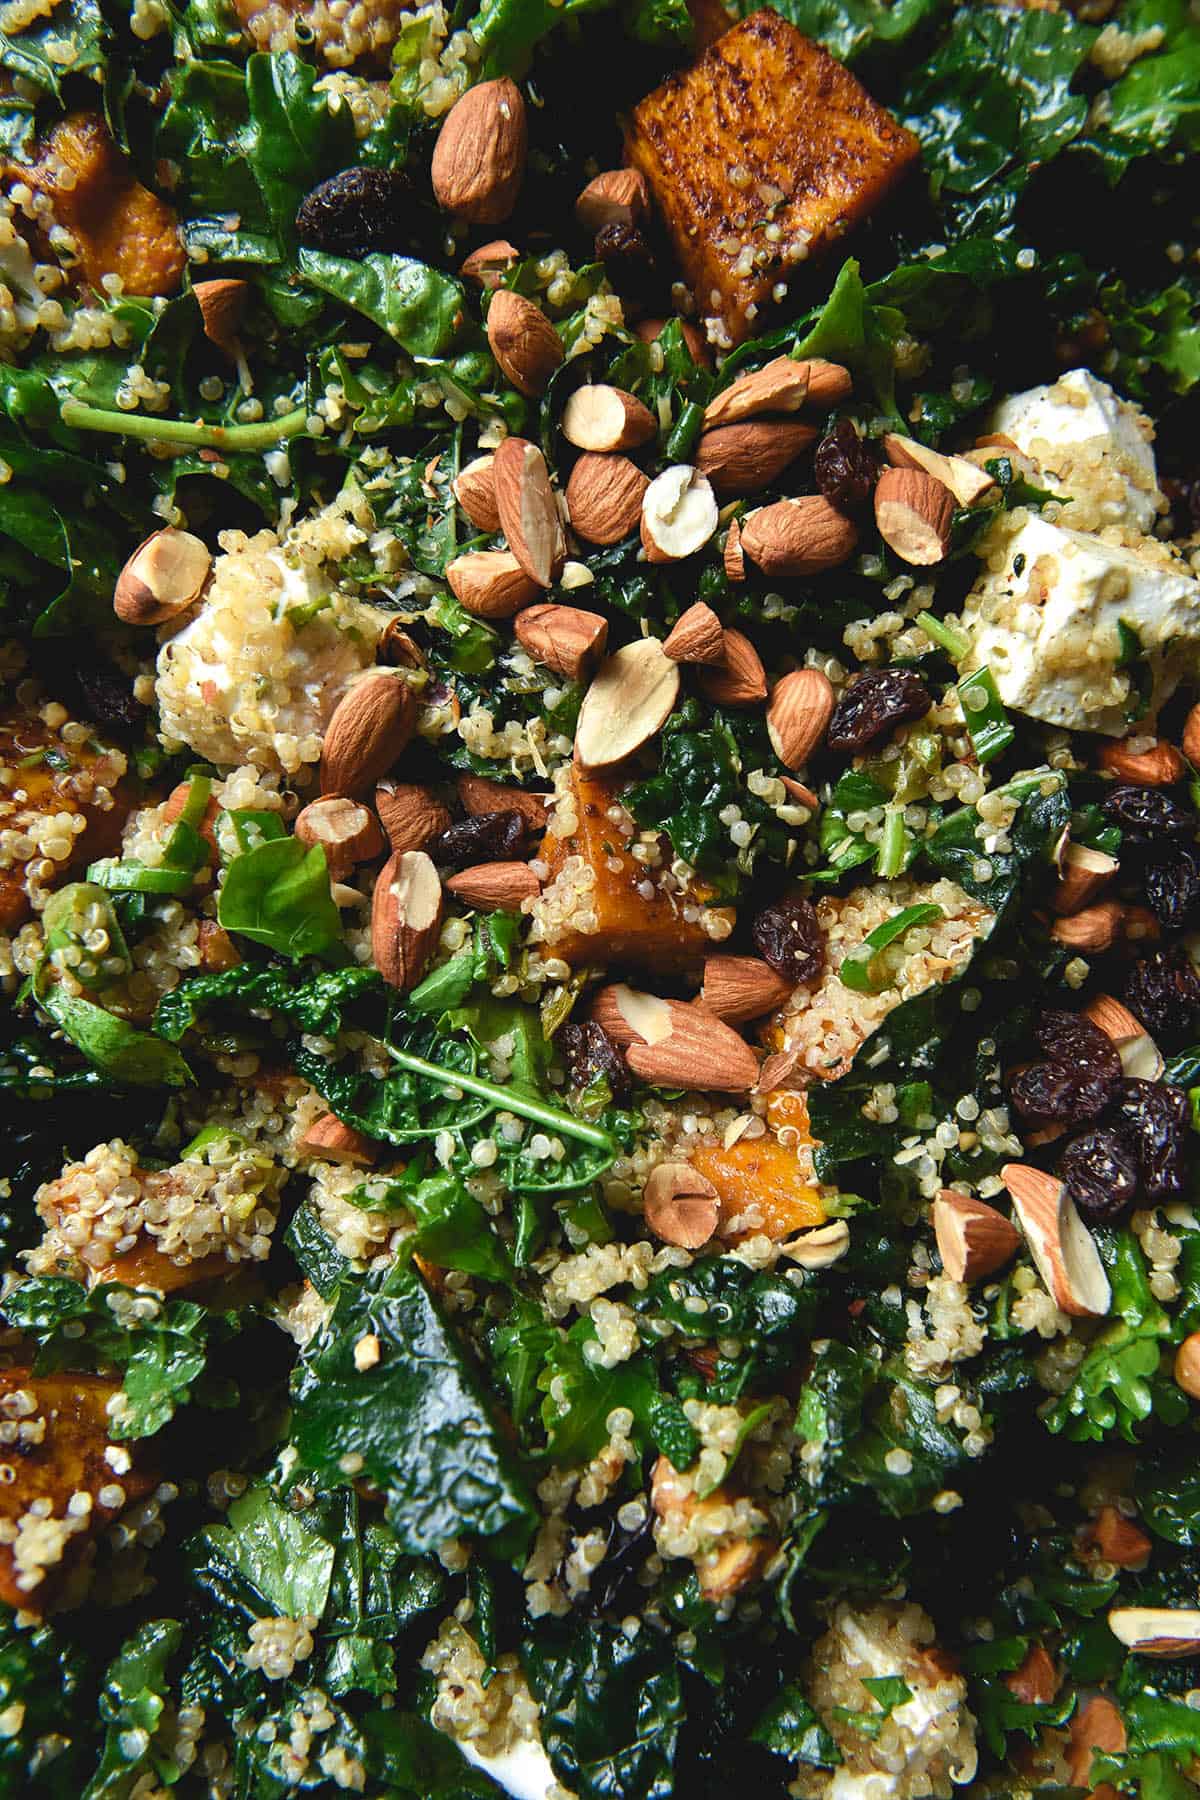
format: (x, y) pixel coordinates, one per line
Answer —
(1069, 1038)
(1052, 1093)
(1164, 993)
(878, 701)
(845, 467)
(614, 1586)
(107, 696)
(356, 212)
(1171, 879)
(490, 837)
(788, 936)
(1146, 812)
(1101, 1173)
(1157, 1119)
(590, 1054)
(628, 261)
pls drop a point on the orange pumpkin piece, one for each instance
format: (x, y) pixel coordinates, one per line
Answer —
(761, 1172)
(788, 1111)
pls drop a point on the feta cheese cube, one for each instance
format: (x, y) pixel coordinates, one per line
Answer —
(1088, 441)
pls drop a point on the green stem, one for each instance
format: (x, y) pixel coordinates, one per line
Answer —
(954, 643)
(522, 1104)
(183, 431)
(890, 862)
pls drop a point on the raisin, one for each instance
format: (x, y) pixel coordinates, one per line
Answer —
(1071, 1039)
(107, 696)
(878, 701)
(490, 837)
(1052, 1093)
(1171, 879)
(628, 261)
(1156, 1117)
(1101, 1173)
(1164, 993)
(590, 1054)
(1148, 813)
(788, 936)
(845, 467)
(356, 212)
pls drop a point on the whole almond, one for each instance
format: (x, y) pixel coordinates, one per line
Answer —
(696, 636)
(967, 482)
(699, 1052)
(680, 1205)
(798, 715)
(222, 304)
(828, 383)
(914, 513)
(604, 498)
(739, 679)
(331, 1140)
(1059, 1242)
(602, 418)
(406, 916)
(528, 510)
(798, 537)
(617, 197)
(679, 514)
(488, 265)
(370, 727)
(165, 575)
(733, 556)
(410, 815)
(738, 988)
(523, 341)
(475, 490)
(494, 887)
(564, 638)
(1095, 928)
(973, 1239)
(491, 583)
(1158, 766)
(628, 702)
(740, 459)
(479, 797)
(780, 387)
(479, 157)
(347, 831)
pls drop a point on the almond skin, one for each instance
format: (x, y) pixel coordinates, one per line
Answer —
(406, 916)
(675, 1043)
(1094, 928)
(966, 481)
(648, 331)
(737, 988)
(479, 157)
(1083, 875)
(494, 887)
(617, 197)
(491, 583)
(1191, 737)
(680, 1205)
(222, 303)
(604, 498)
(740, 459)
(696, 636)
(165, 575)
(733, 556)
(330, 1139)
(486, 266)
(1187, 1366)
(528, 510)
(914, 512)
(523, 341)
(973, 1239)
(478, 796)
(347, 831)
(564, 638)
(828, 384)
(475, 491)
(739, 679)
(370, 727)
(629, 701)
(799, 714)
(1157, 767)
(603, 418)
(410, 815)
(798, 537)
(780, 387)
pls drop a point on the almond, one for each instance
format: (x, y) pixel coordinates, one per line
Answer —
(491, 583)
(628, 1016)
(411, 815)
(679, 514)
(800, 795)
(776, 1071)
(696, 636)
(1141, 1059)
(346, 830)
(1096, 1726)
(1191, 737)
(799, 714)
(798, 537)
(165, 575)
(1187, 1365)
(650, 330)
(528, 510)
(914, 513)
(1036, 1680)
(1157, 767)
(406, 916)
(828, 383)
(966, 481)
(733, 556)
(222, 304)
(371, 725)
(479, 157)
(1094, 928)
(739, 459)
(602, 418)
(680, 1206)
(1118, 1540)
(478, 796)
(628, 702)
(737, 988)
(973, 1239)
(675, 1043)
(1059, 1242)
(475, 490)
(396, 647)
(618, 197)
(604, 498)
(780, 387)
(488, 265)
(564, 638)
(494, 887)
(739, 679)
(821, 1248)
(217, 948)
(330, 1139)
(1157, 1630)
(1083, 874)
(523, 341)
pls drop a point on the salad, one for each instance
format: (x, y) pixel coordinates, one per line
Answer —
(599, 899)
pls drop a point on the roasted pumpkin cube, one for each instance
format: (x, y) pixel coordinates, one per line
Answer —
(64, 1480)
(591, 909)
(761, 1178)
(760, 156)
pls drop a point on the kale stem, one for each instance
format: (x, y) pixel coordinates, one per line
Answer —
(954, 643)
(183, 431)
(512, 1101)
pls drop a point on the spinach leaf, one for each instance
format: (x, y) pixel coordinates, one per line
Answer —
(131, 1704)
(611, 1709)
(790, 1727)
(276, 1553)
(996, 877)
(420, 309)
(53, 1679)
(420, 1763)
(855, 329)
(853, 29)
(453, 1230)
(118, 1050)
(278, 894)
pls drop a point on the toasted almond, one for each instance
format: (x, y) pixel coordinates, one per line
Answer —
(475, 490)
(966, 481)
(1093, 928)
(828, 384)
(602, 418)
(679, 514)
(820, 1248)
(528, 510)
(1035, 1680)
(1059, 1242)
(479, 157)
(1098, 1726)
(1187, 1365)
(396, 647)
(1157, 1630)
(331, 1140)
(523, 341)
(371, 725)
(222, 306)
(406, 915)
(737, 988)
(740, 459)
(628, 702)
(798, 715)
(733, 556)
(680, 1206)
(914, 513)
(1157, 767)
(739, 679)
(777, 1071)
(346, 830)
(488, 265)
(1141, 1059)
(1118, 1540)
(412, 816)
(478, 796)
(800, 795)
(617, 197)
(604, 498)
(1191, 736)
(699, 1052)
(696, 636)
(564, 638)
(165, 575)
(798, 537)
(1084, 874)
(494, 887)
(630, 1017)
(780, 387)
(973, 1239)
(491, 583)
(650, 330)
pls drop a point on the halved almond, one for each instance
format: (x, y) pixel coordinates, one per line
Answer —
(494, 887)
(1083, 874)
(347, 831)
(491, 584)
(564, 638)
(779, 387)
(604, 497)
(821, 1247)
(680, 1205)
(798, 537)
(740, 459)
(411, 815)
(475, 490)
(1092, 928)
(679, 514)
(1157, 1630)
(966, 481)
(628, 702)
(739, 679)
(914, 513)
(528, 510)
(973, 1239)
(696, 636)
(737, 988)
(798, 715)
(222, 305)
(165, 575)
(406, 914)
(602, 418)
(1141, 1058)
(1061, 1245)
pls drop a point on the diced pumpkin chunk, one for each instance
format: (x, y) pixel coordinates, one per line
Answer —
(119, 226)
(763, 1174)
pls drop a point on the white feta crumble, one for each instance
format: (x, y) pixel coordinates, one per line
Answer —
(1067, 426)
